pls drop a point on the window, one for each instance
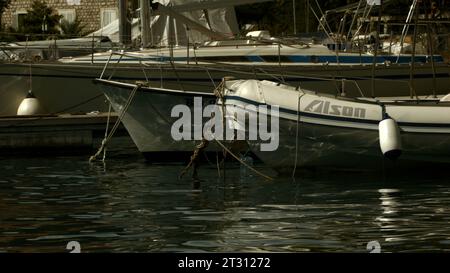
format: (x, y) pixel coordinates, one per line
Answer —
(108, 16)
(19, 17)
(68, 15)
(73, 2)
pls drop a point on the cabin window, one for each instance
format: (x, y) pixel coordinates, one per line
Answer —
(68, 15)
(108, 16)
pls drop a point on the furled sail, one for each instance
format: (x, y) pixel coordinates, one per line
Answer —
(166, 30)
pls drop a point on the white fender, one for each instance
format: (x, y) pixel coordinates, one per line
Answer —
(390, 139)
(29, 106)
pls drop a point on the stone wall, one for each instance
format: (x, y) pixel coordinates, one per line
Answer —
(88, 11)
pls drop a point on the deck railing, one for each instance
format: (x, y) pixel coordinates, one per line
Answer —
(341, 84)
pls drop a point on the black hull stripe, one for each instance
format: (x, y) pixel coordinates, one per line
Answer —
(343, 119)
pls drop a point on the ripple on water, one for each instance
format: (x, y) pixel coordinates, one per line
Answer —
(133, 206)
(74, 236)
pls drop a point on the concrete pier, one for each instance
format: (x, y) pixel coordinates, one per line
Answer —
(53, 134)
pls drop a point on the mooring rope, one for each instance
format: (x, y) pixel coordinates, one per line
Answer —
(219, 92)
(195, 159)
(115, 127)
(107, 129)
(297, 134)
(242, 162)
(203, 144)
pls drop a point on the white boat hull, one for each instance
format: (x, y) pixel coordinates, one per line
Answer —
(356, 149)
(321, 131)
(148, 119)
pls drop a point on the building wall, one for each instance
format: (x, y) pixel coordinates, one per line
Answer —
(88, 11)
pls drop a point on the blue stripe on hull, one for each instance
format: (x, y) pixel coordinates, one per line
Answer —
(302, 59)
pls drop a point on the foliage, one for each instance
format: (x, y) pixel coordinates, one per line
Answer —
(4, 5)
(38, 16)
(4, 37)
(72, 29)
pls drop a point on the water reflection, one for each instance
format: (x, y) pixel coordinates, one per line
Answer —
(389, 206)
(131, 206)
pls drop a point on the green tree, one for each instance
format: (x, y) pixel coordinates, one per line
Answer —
(72, 29)
(3, 5)
(41, 19)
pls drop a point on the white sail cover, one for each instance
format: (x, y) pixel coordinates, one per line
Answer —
(221, 20)
(112, 30)
(374, 2)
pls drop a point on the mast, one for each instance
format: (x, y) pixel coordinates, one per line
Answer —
(124, 24)
(354, 19)
(295, 17)
(145, 23)
(413, 55)
(431, 50)
(377, 44)
(406, 26)
(307, 16)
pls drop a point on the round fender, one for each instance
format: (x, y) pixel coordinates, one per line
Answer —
(29, 106)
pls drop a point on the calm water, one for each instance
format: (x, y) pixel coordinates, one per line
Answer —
(131, 206)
